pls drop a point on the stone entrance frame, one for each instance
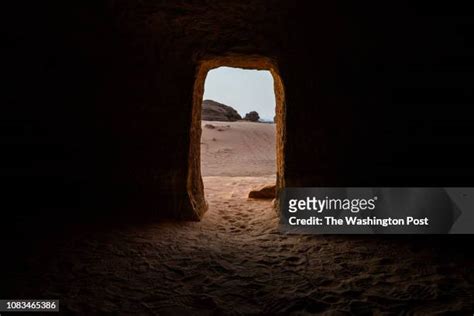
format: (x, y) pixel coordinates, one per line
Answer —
(195, 185)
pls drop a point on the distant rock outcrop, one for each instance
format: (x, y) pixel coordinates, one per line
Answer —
(215, 111)
(252, 116)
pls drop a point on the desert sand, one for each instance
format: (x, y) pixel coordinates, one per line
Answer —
(235, 261)
(237, 149)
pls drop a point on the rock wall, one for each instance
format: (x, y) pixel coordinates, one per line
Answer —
(369, 99)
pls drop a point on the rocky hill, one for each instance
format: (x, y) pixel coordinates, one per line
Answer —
(215, 111)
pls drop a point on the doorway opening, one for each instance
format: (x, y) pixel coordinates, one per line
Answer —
(237, 129)
(237, 123)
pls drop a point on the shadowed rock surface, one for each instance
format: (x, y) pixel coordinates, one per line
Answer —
(215, 111)
(124, 76)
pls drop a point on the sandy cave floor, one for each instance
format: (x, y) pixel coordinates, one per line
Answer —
(236, 262)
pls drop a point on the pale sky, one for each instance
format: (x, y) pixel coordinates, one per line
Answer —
(244, 90)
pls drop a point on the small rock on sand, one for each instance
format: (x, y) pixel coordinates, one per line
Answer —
(264, 192)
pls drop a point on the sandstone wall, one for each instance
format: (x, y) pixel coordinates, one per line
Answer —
(374, 95)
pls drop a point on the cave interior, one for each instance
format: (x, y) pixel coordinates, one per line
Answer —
(101, 123)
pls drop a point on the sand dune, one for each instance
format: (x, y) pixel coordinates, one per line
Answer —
(237, 149)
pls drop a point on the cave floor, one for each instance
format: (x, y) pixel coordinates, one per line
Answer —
(236, 262)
